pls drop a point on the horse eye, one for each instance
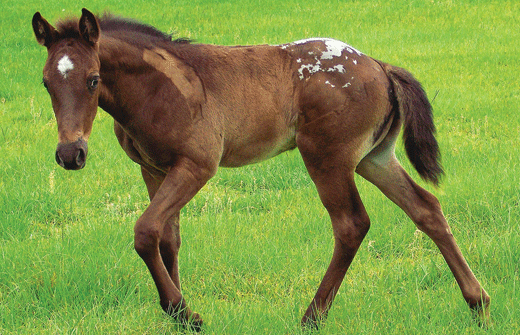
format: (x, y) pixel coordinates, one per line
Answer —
(45, 84)
(93, 82)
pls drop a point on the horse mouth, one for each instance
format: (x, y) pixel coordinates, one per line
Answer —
(72, 156)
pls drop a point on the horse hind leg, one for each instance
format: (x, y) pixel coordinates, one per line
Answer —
(334, 180)
(383, 170)
(350, 224)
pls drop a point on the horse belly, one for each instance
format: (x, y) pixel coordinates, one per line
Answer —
(257, 143)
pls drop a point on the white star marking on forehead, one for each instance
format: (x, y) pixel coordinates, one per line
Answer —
(65, 65)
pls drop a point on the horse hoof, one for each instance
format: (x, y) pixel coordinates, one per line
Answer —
(194, 322)
(309, 323)
(480, 310)
(482, 317)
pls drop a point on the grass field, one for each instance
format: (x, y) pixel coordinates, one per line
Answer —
(256, 240)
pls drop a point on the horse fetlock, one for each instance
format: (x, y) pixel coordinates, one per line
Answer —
(480, 309)
(478, 300)
(313, 318)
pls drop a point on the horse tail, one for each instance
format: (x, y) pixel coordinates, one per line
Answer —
(419, 130)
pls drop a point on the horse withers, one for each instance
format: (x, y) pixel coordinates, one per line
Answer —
(181, 110)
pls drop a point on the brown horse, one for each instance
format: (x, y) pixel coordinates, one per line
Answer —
(182, 110)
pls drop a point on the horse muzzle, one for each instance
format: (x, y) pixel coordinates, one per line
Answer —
(73, 155)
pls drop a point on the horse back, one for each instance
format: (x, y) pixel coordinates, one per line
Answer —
(249, 99)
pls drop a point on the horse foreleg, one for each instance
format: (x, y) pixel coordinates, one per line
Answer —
(170, 239)
(169, 248)
(156, 233)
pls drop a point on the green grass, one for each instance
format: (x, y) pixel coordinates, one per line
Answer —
(256, 240)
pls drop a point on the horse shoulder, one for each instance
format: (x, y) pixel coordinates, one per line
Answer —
(182, 76)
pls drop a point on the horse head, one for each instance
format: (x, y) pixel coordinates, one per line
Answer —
(71, 76)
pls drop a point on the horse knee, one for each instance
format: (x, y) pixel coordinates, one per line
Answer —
(146, 239)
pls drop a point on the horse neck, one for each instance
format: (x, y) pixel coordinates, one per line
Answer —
(122, 67)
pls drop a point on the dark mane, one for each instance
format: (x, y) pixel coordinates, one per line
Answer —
(110, 23)
(129, 30)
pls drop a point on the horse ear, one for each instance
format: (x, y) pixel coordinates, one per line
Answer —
(89, 27)
(44, 32)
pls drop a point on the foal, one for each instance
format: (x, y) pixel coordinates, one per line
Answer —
(181, 110)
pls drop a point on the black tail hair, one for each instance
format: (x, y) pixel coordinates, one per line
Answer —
(419, 131)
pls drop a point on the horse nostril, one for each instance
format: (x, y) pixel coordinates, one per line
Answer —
(81, 157)
(59, 160)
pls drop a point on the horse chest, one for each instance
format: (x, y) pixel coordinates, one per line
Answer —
(145, 153)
